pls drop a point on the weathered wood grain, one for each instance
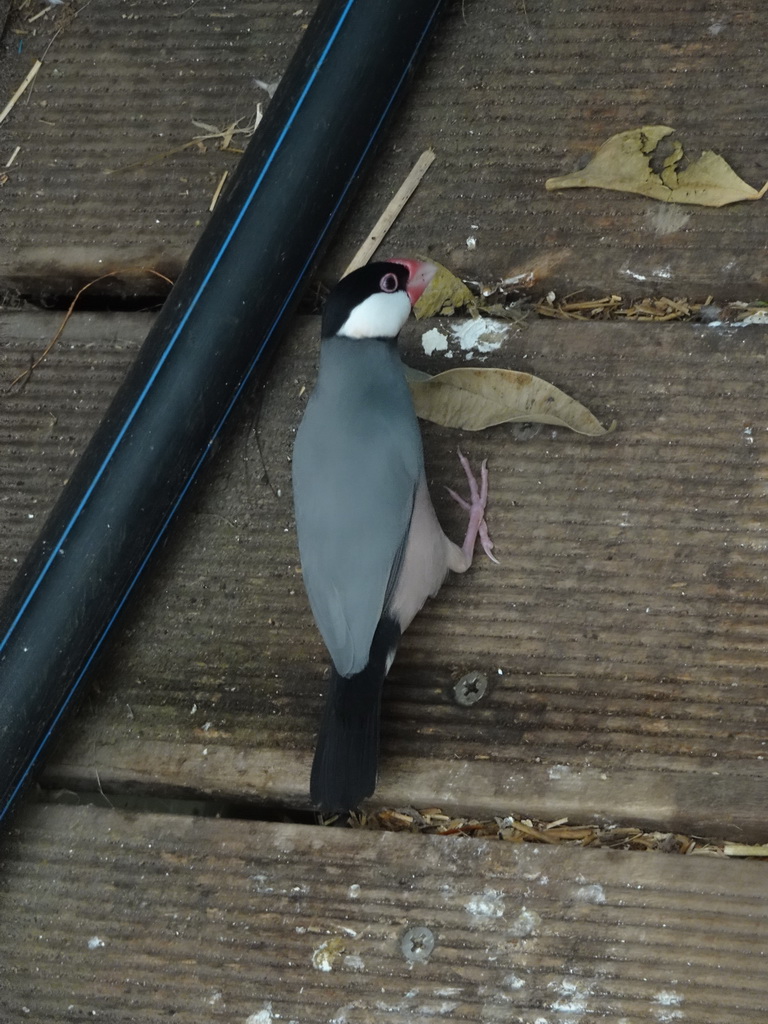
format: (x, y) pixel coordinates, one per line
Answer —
(508, 96)
(127, 918)
(624, 633)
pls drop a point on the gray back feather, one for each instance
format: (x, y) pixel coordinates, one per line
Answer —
(357, 462)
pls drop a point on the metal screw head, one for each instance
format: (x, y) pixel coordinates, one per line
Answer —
(418, 943)
(470, 688)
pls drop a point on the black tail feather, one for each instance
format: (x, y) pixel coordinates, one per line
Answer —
(347, 751)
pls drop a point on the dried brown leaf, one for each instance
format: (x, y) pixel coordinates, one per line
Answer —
(623, 164)
(471, 398)
(445, 294)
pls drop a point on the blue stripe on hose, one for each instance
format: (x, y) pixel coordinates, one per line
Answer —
(225, 416)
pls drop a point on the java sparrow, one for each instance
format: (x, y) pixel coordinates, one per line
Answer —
(372, 550)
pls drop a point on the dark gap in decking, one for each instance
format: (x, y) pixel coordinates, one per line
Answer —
(52, 296)
(52, 302)
(196, 807)
(660, 837)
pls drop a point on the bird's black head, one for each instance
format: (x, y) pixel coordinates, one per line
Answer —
(374, 301)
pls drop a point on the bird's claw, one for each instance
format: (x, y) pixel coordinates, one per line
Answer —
(476, 508)
(458, 499)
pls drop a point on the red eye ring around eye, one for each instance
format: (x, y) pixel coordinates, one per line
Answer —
(389, 283)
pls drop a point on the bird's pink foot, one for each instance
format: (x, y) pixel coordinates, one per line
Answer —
(478, 497)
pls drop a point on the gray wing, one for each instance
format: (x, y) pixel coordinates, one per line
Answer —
(354, 489)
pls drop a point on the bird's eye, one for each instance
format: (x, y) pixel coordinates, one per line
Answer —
(389, 283)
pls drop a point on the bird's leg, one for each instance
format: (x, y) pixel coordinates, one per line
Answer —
(476, 527)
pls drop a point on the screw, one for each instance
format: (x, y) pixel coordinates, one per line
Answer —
(470, 688)
(418, 943)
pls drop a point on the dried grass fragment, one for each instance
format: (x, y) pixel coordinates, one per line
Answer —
(516, 829)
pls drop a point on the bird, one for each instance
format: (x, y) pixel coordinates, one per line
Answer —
(371, 547)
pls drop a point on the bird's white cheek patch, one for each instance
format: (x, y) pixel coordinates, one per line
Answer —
(379, 316)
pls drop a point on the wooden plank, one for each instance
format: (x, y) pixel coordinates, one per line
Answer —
(624, 633)
(119, 87)
(507, 97)
(144, 918)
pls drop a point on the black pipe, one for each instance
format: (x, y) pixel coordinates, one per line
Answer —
(215, 333)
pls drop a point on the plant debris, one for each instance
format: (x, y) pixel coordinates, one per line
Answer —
(660, 309)
(625, 163)
(508, 301)
(446, 293)
(212, 133)
(472, 398)
(514, 828)
(226, 135)
(613, 307)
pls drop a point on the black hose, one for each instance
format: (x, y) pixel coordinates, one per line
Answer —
(215, 333)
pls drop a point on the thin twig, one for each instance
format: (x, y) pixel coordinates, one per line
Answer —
(217, 193)
(21, 90)
(390, 214)
(98, 783)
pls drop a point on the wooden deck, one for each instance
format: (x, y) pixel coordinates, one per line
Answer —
(624, 634)
(150, 917)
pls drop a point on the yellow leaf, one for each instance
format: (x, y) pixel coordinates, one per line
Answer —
(623, 163)
(444, 295)
(470, 398)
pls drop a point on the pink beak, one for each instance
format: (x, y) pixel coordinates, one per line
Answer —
(420, 275)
